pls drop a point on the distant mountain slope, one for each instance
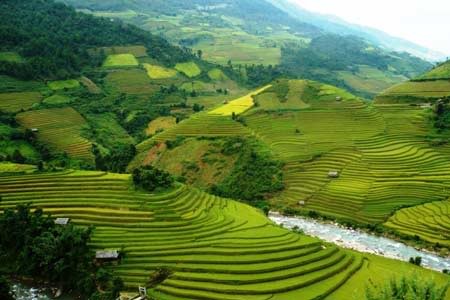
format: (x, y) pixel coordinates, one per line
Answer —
(338, 26)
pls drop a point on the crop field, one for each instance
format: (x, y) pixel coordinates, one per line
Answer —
(430, 221)
(238, 106)
(63, 84)
(120, 60)
(217, 248)
(60, 128)
(159, 72)
(159, 124)
(134, 82)
(190, 69)
(14, 102)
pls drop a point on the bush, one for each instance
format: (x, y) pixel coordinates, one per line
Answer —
(150, 178)
(407, 288)
(416, 260)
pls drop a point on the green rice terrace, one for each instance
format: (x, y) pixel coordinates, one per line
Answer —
(217, 248)
(381, 153)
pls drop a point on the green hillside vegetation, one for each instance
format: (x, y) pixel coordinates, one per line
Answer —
(428, 87)
(217, 75)
(57, 100)
(63, 84)
(442, 71)
(10, 57)
(120, 60)
(135, 50)
(238, 252)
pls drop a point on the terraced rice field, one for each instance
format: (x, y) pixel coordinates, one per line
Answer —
(60, 128)
(380, 152)
(218, 249)
(199, 125)
(239, 105)
(120, 60)
(158, 72)
(134, 82)
(429, 221)
(161, 123)
(14, 102)
(190, 69)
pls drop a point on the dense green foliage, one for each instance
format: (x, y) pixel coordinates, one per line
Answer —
(150, 178)
(335, 53)
(5, 289)
(116, 160)
(407, 288)
(442, 115)
(31, 244)
(255, 175)
(55, 39)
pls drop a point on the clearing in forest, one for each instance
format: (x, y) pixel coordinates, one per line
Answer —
(120, 60)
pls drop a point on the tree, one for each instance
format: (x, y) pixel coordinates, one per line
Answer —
(197, 107)
(17, 157)
(151, 178)
(199, 53)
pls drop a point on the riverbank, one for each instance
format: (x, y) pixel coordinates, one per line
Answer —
(361, 241)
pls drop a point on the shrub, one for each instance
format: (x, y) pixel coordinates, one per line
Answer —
(159, 276)
(151, 178)
(407, 288)
(416, 260)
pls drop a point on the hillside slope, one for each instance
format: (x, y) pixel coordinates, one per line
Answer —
(426, 88)
(215, 248)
